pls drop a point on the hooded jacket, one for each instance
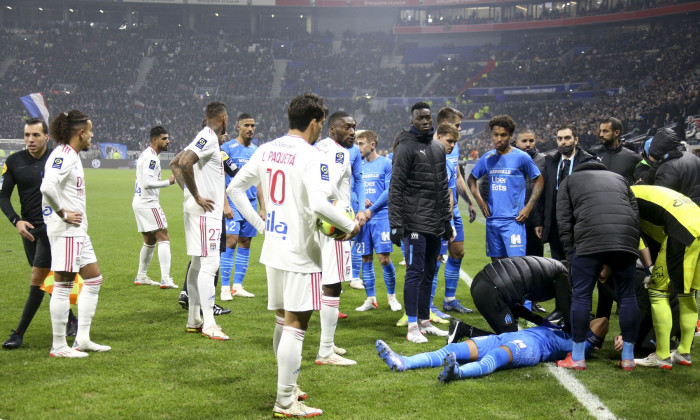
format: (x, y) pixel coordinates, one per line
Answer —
(419, 199)
(597, 212)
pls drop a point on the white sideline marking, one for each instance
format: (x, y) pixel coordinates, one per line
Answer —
(465, 277)
(594, 406)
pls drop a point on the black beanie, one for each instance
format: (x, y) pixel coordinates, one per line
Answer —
(664, 141)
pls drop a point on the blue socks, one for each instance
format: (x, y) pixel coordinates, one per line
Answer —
(242, 258)
(435, 358)
(627, 350)
(579, 351)
(368, 278)
(390, 278)
(451, 276)
(226, 265)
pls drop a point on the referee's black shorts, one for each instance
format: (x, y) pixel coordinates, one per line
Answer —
(38, 251)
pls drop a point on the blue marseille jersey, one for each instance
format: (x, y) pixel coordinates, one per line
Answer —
(390, 156)
(536, 345)
(240, 155)
(377, 176)
(507, 175)
(357, 191)
(452, 183)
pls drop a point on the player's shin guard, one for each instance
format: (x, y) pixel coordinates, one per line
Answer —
(87, 303)
(242, 258)
(390, 278)
(227, 266)
(494, 359)
(687, 320)
(277, 334)
(145, 257)
(662, 320)
(329, 322)
(205, 285)
(288, 363)
(451, 276)
(355, 261)
(58, 308)
(369, 279)
(435, 358)
(193, 316)
(164, 259)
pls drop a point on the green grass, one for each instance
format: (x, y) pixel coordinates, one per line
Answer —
(156, 370)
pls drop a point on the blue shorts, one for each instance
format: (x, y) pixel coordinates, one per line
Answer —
(240, 227)
(505, 238)
(374, 237)
(459, 228)
(443, 246)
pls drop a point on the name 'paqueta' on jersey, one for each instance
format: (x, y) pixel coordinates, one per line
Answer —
(63, 188)
(290, 172)
(148, 182)
(208, 174)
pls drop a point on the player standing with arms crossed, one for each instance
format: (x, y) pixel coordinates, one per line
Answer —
(150, 218)
(296, 187)
(65, 216)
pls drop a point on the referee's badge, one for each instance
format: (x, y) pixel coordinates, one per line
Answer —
(57, 163)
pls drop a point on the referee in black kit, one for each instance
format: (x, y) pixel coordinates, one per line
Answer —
(25, 169)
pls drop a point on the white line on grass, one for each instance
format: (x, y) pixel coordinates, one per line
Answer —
(594, 406)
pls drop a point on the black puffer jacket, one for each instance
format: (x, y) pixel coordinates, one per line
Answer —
(521, 278)
(419, 200)
(597, 212)
(680, 172)
(619, 160)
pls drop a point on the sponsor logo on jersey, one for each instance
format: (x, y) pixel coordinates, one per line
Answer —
(339, 157)
(273, 225)
(152, 165)
(498, 183)
(57, 163)
(324, 172)
(201, 143)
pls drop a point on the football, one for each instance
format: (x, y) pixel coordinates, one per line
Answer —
(330, 230)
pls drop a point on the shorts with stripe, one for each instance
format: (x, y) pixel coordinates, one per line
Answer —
(294, 292)
(202, 235)
(150, 219)
(71, 253)
(336, 263)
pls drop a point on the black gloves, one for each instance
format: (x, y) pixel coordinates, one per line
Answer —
(448, 231)
(396, 236)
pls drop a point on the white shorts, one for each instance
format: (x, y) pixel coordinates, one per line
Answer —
(71, 253)
(336, 262)
(202, 235)
(293, 292)
(150, 219)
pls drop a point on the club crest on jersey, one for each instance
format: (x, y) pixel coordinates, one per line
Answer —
(339, 157)
(152, 165)
(57, 163)
(200, 143)
(324, 172)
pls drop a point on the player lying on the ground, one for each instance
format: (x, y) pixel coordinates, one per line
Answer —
(482, 356)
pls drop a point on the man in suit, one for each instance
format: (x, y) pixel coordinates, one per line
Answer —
(556, 168)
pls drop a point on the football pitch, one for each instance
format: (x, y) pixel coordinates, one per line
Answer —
(156, 370)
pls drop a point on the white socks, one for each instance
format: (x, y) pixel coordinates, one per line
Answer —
(193, 316)
(279, 325)
(145, 258)
(288, 363)
(164, 258)
(329, 322)
(87, 303)
(58, 308)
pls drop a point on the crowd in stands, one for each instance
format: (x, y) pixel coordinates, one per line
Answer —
(654, 72)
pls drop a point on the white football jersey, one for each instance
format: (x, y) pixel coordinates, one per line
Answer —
(63, 188)
(208, 174)
(288, 169)
(338, 159)
(147, 188)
